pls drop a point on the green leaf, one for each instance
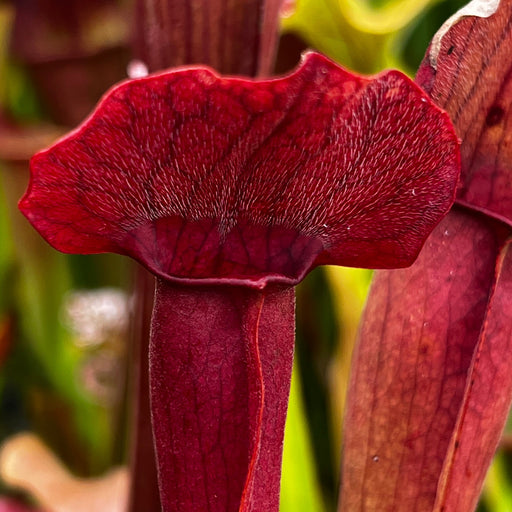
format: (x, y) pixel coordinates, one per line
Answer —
(355, 33)
(497, 490)
(299, 485)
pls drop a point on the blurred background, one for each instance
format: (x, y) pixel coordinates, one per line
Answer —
(66, 321)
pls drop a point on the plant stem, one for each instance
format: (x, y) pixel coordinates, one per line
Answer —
(144, 493)
(220, 369)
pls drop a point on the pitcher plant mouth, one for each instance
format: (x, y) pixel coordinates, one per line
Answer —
(230, 190)
(206, 254)
(252, 174)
